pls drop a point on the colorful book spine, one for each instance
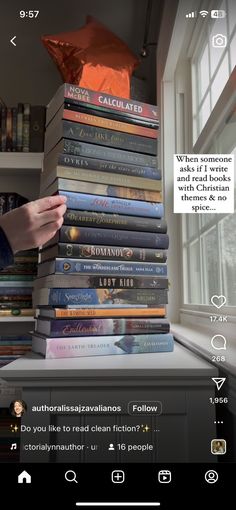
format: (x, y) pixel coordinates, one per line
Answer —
(96, 203)
(77, 148)
(96, 135)
(92, 327)
(88, 251)
(65, 297)
(102, 345)
(86, 235)
(25, 312)
(102, 190)
(69, 266)
(107, 123)
(114, 221)
(145, 173)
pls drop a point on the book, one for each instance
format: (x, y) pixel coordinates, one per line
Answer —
(73, 312)
(19, 128)
(16, 278)
(71, 163)
(20, 269)
(97, 267)
(89, 117)
(108, 178)
(37, 125)
(4, 129)
(11, 298)
(101, 345)
(126, 107)
(3, 203)
(96, 135)
(15, 287)
(96, 203)
(26, 128)
(15, 304)
(88, 235)
(25, 312)
(92, 327)
(88, 251)
(65, 297)
(101, 190)
(91, 281)
(9, 132)
(14, 129)
(114, 221)
(90, 150)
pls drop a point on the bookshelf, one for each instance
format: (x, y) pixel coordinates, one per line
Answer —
(20, 173)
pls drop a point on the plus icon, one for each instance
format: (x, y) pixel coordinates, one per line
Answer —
(118, 476)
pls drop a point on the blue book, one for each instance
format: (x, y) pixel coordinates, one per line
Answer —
(104, 268)
(98, 203)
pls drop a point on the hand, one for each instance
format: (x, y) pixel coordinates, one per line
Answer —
(33, 224)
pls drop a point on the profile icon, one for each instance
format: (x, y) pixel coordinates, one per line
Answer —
(18, 408)
(218, 446)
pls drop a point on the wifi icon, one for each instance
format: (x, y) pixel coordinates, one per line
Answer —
(203, 13)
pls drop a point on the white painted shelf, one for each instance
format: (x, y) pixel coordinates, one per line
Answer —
(17, 319)
(17, 163)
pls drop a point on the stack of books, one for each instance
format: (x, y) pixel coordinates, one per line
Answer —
(102, 280)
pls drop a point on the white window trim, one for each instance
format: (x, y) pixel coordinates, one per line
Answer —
(173, 35)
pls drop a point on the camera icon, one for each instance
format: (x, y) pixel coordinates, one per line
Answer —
(219, 41)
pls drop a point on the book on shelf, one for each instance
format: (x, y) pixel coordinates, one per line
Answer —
(22, 128)
(91, 281)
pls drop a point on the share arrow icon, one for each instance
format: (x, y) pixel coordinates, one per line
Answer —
(219, 381)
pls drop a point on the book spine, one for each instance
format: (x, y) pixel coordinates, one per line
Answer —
(37, 124)
(4, 129)
(86, 235)
(9, 130)
(16, 304)
(129, 106)
(14, 129)
(87, 251)
(25, 312)
(105, 190)
(112, 326)
(102, 346)
(112, 179)
(111, 167)
(67, 266)
(77, 148)
(101, 136)
(3, 203)
(107, 123)
(114, 221)
(11, 201)
(26, 127)
(15, 278)
(65, 297)
(19, 129)
(15, 291)
(101, 282)
(96, 203)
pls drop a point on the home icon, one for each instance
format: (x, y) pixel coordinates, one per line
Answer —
(24, 477)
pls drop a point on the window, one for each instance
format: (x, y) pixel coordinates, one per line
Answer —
(213, 64)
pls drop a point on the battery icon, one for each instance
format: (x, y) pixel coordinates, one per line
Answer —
(218, 13)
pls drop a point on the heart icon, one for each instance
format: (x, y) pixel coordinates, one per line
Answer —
(218, 301)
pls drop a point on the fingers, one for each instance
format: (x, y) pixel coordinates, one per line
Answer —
(43, 204)
(51, 215)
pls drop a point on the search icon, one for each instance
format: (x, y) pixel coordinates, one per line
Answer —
(70, 476)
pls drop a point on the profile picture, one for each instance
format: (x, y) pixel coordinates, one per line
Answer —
(18, 408)
(218, 446)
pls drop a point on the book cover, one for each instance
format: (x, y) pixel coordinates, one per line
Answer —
(90, 150)
(97, 135)
(102, 345)
(109, 178)
(94, 235)
(127, 107)
(88, 251)
(65, 297)
(96, 203)
(93, 327)
(114, 221)
(74, 266)
(102, 190)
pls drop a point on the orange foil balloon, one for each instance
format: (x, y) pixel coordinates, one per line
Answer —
(94, 58)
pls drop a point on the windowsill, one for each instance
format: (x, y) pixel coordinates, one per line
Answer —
(199, 341)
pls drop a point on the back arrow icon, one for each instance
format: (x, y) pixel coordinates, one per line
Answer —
(12, 40)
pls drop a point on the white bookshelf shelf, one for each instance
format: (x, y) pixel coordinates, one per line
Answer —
(20, 162)
(17, 319)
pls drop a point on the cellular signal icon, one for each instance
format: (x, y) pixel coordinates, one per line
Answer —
(203, 13)
(192, 14)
